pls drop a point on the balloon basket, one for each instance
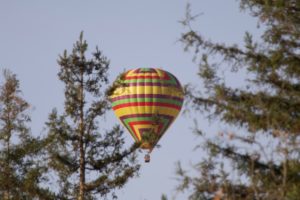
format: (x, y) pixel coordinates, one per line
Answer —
(147, 158)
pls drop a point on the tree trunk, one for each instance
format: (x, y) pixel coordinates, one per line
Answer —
(82, 169)
(8, 169)
(81, 146)
(6, 195)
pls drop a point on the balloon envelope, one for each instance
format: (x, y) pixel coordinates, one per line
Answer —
(147, 101)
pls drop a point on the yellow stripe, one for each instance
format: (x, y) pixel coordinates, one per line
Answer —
(157, 110)
(147, 90)
(131, 74)
(160, 72)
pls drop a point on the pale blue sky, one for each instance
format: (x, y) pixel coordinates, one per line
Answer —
(131, 33)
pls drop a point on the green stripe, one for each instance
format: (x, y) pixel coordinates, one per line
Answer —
(161, 100)
(138, 119)
(145, 69)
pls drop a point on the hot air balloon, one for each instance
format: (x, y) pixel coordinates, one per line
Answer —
(147, 101)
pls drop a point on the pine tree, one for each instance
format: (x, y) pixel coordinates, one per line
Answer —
(20, 171)
(259, 158)
(90, 160)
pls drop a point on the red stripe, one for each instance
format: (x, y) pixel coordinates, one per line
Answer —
(135, 133)
(140, 122)
(142, 77)
(146, 104)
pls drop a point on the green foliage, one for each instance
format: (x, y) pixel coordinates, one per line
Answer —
(20, 171)
(90, 160)
(164, 197)
(265, 107)
(150, 138)
(119, 83)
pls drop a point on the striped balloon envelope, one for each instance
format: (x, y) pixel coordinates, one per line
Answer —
(147, 101)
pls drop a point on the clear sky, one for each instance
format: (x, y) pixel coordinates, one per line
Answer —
(131, 33)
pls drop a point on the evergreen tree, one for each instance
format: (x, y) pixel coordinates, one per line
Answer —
(259, 158)
(90, 160)
(20, 171)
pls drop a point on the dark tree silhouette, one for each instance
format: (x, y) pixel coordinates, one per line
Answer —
(90, 159)
(262, 150)
(20, 170)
